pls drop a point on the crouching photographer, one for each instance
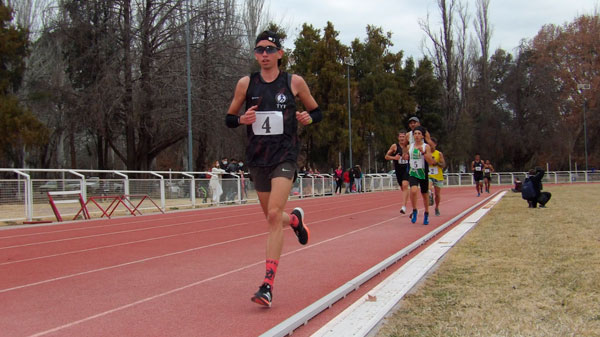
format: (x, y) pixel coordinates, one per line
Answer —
(531, 189)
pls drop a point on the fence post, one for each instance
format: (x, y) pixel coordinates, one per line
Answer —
(192, 188)
(82, 184)
(125, 182)
(162, 190)
(28, 195)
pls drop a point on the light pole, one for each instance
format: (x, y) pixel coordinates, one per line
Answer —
(371, 136)
(349, 62)
(189, 86)
(582, 87)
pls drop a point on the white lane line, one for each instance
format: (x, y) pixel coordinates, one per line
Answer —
(361, 317)
(144, 218)
(138, 241)
(121, 244)
(147, 299)
(136, 230)
(167, 255)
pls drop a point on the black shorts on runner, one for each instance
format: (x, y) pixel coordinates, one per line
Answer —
(478, 177)
(423, 183)
(402, 174)
(261, 176)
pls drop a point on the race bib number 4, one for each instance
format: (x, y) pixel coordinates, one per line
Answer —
(268, 123)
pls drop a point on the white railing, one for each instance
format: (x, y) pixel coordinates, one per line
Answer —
(23, 192)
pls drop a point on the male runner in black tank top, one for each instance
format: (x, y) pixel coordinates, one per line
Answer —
(477, 168)
(273, 145)
(400, 160)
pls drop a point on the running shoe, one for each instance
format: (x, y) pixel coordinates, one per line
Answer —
(413, 217)
(426, 219)
(263, 296)
(437, 212)
(301, 230)
(403, 210)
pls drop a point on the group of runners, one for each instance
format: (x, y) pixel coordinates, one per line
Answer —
(419, 167)
(265, 103)
(482, 174)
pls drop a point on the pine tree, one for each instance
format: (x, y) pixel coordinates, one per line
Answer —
(19, 129)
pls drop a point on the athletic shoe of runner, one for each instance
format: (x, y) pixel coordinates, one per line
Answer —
(301, 230)
(263, 296)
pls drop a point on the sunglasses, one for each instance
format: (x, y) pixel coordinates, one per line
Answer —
(268, 49)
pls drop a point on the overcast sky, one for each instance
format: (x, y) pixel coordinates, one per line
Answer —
(512, 20)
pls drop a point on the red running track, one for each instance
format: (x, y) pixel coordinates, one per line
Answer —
(192, 273)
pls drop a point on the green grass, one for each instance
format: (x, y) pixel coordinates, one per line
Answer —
(519, 272)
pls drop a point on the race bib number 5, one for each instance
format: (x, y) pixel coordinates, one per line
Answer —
(268, 123)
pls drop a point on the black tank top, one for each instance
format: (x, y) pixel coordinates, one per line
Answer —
(270, 150)
(480, 166)
(399, 165)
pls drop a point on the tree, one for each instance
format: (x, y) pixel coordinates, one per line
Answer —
(569, 55)
(450, 66)
(318, 59)
(19, 129)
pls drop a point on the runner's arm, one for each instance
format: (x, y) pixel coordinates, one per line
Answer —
(428, 139)
(427, 155)
(238, 100)
(392, 150)
(442, 162)
(312, 112)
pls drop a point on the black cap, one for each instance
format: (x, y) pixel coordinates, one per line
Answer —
(269, 36)
(420, 128)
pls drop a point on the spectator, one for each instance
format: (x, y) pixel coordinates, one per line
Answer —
(215, 184)
(358, 178)
(243, 172)
(347, 180)
(231, 184)
(531, 190)
(339, 179)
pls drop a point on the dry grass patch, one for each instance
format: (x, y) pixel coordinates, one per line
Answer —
(520, 272)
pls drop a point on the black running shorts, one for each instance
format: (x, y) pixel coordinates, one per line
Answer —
(402, 174)
(423, 183)
(261, 175)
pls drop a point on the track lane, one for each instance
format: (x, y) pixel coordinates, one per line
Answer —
(341, 247)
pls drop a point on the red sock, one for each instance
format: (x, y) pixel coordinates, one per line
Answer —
(294, 220)
(271, 266)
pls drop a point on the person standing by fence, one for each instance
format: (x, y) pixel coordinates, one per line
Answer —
(339, 179)
(215, 182)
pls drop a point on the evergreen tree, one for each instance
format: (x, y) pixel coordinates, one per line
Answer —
(19, 129)
(318, 60)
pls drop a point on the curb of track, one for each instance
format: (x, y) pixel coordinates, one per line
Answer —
(302, 317)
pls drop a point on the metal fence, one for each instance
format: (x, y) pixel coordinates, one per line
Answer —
(24, 192)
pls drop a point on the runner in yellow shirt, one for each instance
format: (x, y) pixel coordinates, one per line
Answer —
(436, 174)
